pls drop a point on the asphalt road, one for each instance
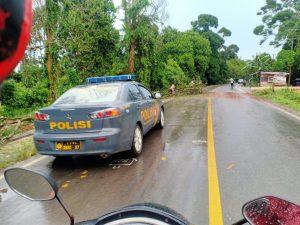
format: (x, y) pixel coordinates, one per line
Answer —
(257, 150)
(257, 153)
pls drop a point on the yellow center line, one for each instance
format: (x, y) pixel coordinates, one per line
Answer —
(215, 208)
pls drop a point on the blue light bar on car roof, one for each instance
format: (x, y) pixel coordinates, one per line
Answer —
(110, 78)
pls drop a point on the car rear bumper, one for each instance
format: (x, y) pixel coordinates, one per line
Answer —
(90, 145)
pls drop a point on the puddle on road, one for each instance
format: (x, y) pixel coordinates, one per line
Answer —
(199, 141)
(5, 193)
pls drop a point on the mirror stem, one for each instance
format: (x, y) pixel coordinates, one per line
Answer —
(241, 222)
(59, 199)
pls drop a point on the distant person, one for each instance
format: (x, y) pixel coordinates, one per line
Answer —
(172, 89)
(231, 82)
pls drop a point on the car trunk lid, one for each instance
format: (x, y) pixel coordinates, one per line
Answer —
(70, 120)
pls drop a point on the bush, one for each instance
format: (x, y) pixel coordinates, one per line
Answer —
(173, 74)
(17, 99)
(7, 91)
(69, 80)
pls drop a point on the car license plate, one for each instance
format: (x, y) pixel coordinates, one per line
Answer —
(68, 145)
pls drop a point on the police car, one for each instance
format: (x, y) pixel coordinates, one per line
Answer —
(106, 116)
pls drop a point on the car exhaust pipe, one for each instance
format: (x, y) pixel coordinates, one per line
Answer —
(104, 155)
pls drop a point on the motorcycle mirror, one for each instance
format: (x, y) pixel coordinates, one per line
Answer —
(271, 210)
(31, 185)
(34, 186)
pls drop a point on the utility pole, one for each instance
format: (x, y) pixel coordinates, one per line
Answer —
(292, 49)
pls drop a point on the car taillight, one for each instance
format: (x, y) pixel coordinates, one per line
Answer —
(41, 116)
(100, 140)
(112, 112)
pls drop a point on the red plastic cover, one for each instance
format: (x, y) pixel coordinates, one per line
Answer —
(15, 27)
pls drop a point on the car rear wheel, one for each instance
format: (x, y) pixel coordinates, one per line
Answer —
(161, 123)
(137, 143)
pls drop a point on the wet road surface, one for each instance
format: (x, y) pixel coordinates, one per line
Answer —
(171, 159)
(257, 150)
(257, 153)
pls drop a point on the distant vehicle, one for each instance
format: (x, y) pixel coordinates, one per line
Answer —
(106, 116)
(242, 81)
(296, 82)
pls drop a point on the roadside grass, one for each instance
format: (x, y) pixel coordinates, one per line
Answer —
(286, 97)
(16, 151)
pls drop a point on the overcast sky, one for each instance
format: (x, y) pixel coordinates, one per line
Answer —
(239, 16)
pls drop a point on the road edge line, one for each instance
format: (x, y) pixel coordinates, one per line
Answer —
(28, 164)
(215, 208)
(35, 161)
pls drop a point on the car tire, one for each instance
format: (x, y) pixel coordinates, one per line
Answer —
(161, 123)
(137, 142)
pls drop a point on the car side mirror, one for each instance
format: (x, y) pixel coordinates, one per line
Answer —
(271, 210)
(157, 95)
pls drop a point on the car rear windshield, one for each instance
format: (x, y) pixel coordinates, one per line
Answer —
(89, 95)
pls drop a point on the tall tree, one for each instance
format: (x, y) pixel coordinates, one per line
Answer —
(236, 68)
(225, 32)
(230, 52)
(204, 23)
(191, 51)
(217, 71)
(146, 55)
(284, 60)
(281, 19)
(87, 37)
(260, 62)
(138, 14)
(52, 16)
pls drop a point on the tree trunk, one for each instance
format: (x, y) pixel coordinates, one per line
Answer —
(290, 69)
(131, 58)
(290, 77)
(49, 57)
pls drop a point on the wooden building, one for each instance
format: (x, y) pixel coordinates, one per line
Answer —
(270, 78)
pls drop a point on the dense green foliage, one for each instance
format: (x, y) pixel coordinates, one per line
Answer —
(73, 39)
(217, 71)
(281, 19)
(236, 68)
(284, 60)
(87, 37)
(189, 50)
